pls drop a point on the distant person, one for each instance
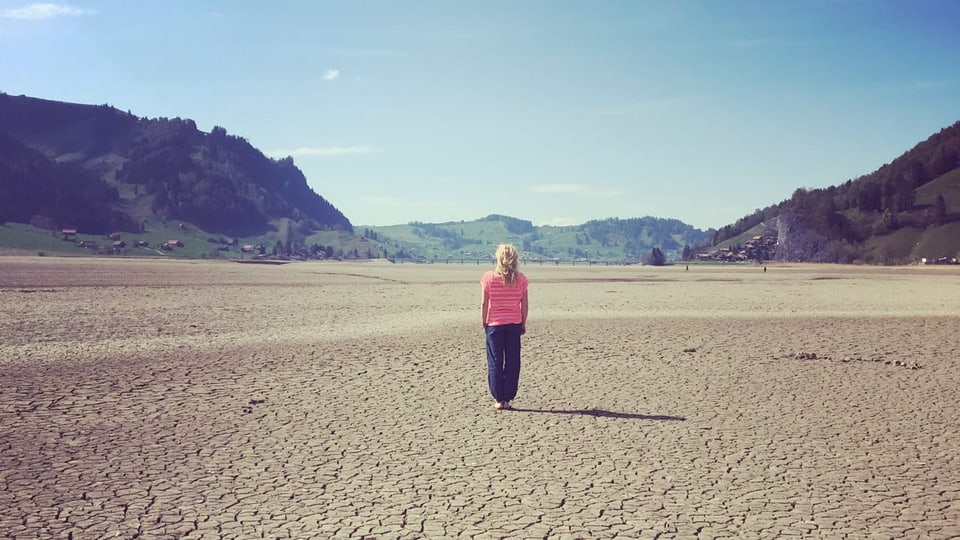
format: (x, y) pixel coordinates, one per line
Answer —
(504, 316)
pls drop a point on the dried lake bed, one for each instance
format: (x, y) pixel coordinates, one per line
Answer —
(207, 399)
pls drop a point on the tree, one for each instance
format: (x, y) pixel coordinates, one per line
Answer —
(939, 210)
(656, 257)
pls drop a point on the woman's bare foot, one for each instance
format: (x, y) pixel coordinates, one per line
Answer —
(500, 405)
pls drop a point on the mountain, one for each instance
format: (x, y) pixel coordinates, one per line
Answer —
(608, 239)
(906, 210)
(48, 192)
(101, 170)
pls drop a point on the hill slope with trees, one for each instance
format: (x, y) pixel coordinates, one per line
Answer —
(98, 169)
(906, 210)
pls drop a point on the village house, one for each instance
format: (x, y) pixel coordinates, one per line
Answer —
(940, 260)
(170, 244)
(758, 248)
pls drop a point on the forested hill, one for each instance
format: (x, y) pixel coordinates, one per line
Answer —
(906, 210)
(648, 239)
(101, 170)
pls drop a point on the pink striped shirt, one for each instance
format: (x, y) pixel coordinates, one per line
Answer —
(504, 305)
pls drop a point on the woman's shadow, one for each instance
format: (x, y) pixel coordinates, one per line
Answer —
(600, 413)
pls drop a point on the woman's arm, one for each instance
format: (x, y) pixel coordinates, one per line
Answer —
(524, 306)
(484, 307)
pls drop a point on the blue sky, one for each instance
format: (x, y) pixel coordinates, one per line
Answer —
(554, 111)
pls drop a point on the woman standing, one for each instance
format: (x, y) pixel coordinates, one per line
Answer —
(504, 315)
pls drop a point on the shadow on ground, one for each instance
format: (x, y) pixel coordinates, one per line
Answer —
(600, 413)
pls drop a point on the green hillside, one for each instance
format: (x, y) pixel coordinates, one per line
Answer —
(101, 170)
(940, 237)
(610, 239)
(947, 185)
(607, 240)
(937, 242)
(900, 213)
(765, 228)
(197, 244)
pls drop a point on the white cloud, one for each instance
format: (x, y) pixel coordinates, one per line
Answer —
(934, 84)
(749, 43)
(321, 151)
(331, 74)
(385, 200)
(573, 189)
(362, 53)
(557, 188)
(561, 222)
(638, 108)
(44, 11)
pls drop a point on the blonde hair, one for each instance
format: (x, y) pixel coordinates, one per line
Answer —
(508, 263)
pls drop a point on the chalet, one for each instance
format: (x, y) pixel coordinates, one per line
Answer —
(166, 246)
(68, 234)
(248, 248)
(119, 244)
(176, 243)
(143, 244)
(115, 236)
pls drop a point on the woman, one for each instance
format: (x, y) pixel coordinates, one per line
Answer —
(504, 315)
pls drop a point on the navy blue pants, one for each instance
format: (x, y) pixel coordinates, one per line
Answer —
(503, 361)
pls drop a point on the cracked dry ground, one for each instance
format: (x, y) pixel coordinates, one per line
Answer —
(157, 399)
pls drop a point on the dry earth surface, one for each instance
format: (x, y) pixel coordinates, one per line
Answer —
(174, 399)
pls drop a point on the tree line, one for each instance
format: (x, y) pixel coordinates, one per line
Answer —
(53, 195)
(874, 204)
